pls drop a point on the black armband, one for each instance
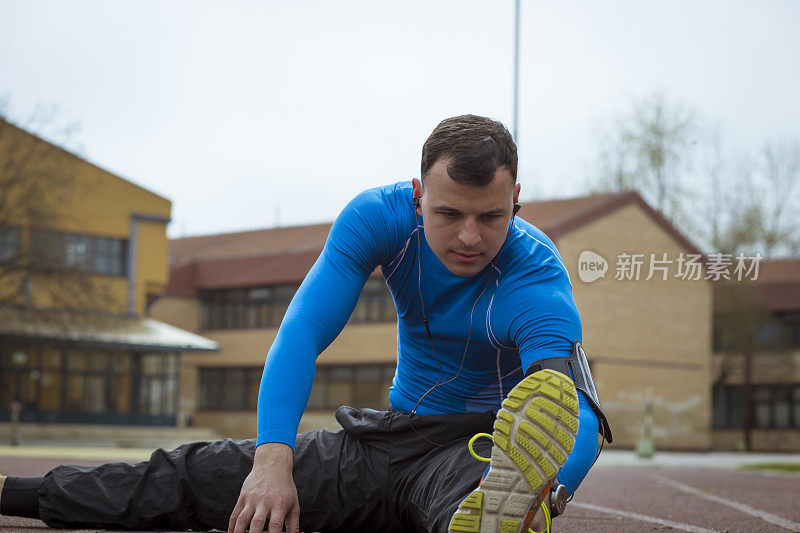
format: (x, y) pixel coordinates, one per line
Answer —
(576, 367)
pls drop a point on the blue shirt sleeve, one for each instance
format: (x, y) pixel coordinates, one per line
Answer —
(359, 241)
(584, 452)
(544, 320)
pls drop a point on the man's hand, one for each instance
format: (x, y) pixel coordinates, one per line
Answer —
(268, 496)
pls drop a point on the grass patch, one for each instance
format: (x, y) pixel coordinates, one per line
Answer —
(780, 467)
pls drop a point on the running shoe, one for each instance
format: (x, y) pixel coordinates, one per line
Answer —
(533, 434)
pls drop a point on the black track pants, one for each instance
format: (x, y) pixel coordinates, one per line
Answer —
(385, 471)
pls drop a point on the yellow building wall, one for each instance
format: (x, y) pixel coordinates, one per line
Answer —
(152, 263)
(181, 312)
(646, 339)
(109, 293)
(89, 200)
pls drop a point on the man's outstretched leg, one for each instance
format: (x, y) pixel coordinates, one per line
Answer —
(190, 487)
(196, 487)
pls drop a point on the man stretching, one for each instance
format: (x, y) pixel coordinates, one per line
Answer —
(487, 343)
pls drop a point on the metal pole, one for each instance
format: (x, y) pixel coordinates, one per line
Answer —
(516, 70)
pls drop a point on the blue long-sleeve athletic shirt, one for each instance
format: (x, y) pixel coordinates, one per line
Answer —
(526, 313)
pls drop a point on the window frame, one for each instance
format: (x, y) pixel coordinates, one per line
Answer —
(215, 384)
(100, 256)
(765, 396)
(10, 237)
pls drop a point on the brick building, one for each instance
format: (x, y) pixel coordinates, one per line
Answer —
(82, 252)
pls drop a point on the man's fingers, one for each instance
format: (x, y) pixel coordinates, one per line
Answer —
(235, 514)
(276, 520)
(258, 520)
(293, 519)
(243, 520)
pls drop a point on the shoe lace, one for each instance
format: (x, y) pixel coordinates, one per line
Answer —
(472, 452)
(472, 441)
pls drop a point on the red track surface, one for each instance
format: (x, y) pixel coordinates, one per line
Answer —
(611, 499)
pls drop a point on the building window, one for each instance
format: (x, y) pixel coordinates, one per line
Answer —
(9, 243)
(254, 307)
(795, 416)
(264, 307)
(728, 407)
(236, 388)
(375, 304)
(89, 254)
(158, 384)
(107, 256)
(778, 331)
(354, 385)
(61, 384)
(229, 388)
(791, 322)
(774, 406)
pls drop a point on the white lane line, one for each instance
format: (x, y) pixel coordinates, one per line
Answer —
(644, 518)
(763, 515)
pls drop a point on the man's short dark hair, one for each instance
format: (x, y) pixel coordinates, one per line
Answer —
(476, 146)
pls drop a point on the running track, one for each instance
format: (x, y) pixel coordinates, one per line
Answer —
(613, 498)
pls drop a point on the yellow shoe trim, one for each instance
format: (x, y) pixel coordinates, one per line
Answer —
(468, 516)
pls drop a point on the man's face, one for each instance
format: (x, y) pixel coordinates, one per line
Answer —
(465, 226)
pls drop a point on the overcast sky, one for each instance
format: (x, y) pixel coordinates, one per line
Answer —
(238, 111)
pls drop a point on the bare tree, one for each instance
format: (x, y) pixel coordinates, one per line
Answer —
(38, 281)
(731, 205)
(754, 205)
(648, 150)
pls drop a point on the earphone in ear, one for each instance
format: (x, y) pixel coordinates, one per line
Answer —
(517, 207)
(417, 200)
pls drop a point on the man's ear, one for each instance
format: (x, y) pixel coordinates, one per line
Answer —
(417, 191)
(516, 193)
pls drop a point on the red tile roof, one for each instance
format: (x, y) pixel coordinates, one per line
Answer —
(277, 268)
(248, 243)
(779, 270)
(559, 217)
(778, 285)
(776, 289)
(553, 213)
(780, 297)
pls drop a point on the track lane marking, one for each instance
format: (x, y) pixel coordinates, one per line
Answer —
(644, 518)
(763, 515)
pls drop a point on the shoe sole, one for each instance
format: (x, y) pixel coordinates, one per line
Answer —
(533, 434)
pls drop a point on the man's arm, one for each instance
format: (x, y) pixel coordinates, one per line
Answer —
(358, 242)
(545, 323)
